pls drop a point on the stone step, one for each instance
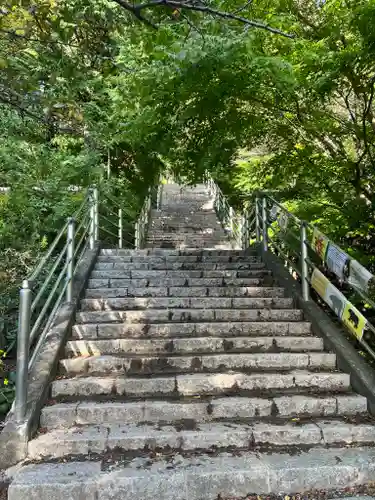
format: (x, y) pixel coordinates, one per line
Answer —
(173, 233)
(187, 274)
(218, 259)
(189, 315)
(190, 238)
(175, 302)
(193, 345)
(202, 385)
(165, 252)
(206, 477)
(230, 291)
(131, 437)
(170, 330)
(164, 265)
(225, 245)
(175, 282)
(185, 230)
(111, 364)
(196, 410)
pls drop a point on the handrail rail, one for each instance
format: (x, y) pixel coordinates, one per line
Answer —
(315, 260)
(51, 282)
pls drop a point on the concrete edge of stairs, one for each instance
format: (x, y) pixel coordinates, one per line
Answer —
(190, 477)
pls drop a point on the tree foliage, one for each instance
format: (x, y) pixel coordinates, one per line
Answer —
(266, 95)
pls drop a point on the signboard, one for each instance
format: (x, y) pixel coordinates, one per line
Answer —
(354, 320)
(273, 212)
(336, 260)
(283, 221)
(350, 316)
(319, 282)
(319, 243)
(359, 276)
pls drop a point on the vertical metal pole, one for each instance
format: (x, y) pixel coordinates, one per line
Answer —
(158, 193)
(108, 163)
(92, 219)
(264, 224)
(23, 339)
(231, 220)
(304, 266)
(136, 242)
(120, 228)
(257, 215)
(245, 230)
(240, 237)
(70, 260)
(96, 207)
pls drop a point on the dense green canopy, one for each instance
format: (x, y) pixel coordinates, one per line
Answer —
(264, 94)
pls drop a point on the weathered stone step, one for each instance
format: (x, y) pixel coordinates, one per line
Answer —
(173, 291)
(225, 409)
(193, 345)
(170, 330)
(195, 478)
(165, 252)
(210, 234)
(187, 274)
(175, 282)
(187, 315)
(112, 364)
(225, 244)
(129, 437)
(218, 259)
(201, 384)
(175, 302)
(164, 265)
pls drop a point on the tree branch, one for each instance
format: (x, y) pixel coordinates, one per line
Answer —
(41, 119)
(188, 5)
(240, 9)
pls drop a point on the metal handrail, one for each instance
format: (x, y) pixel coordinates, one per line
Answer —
(59, 264)
(236, 225)
(263, 224)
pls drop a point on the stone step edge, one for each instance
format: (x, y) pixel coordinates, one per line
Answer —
(175, 253)
(211, 363)
(205, 385)
(224, 409)
(178, 330)
(195, 345)
(195, 477)
(119, 316)
(84, 440)
(173, 290)
(109, 304)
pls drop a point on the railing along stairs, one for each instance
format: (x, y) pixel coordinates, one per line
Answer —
(327, 274)
(51, 283)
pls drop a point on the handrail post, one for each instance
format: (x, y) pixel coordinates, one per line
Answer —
(120, 228)
(70, 260)
(231, 220)
(304, 266)
(159, 199)
(23, 339)
(136, 242)
(92, 219)
(96, 211)
(245, 230)
(241, 228)
(264, 224)
(257, 215)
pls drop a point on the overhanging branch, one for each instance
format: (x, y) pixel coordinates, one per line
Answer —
(136, 10)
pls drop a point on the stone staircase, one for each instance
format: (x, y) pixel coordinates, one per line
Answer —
(190, 376)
